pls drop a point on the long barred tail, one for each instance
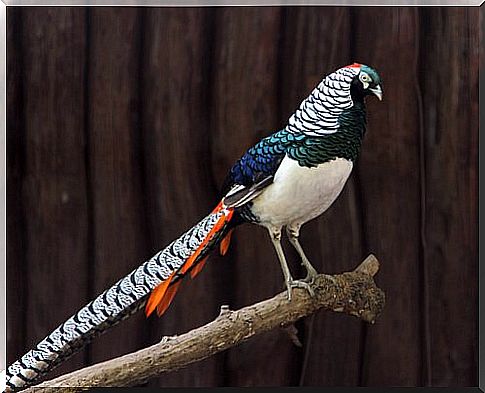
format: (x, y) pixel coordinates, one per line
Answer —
(161, 274)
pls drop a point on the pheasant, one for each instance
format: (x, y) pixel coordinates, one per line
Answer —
(287, 179)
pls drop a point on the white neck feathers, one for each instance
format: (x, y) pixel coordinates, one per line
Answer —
(318, 114)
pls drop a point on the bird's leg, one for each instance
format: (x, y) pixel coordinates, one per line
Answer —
(275, 235)
(293, 231)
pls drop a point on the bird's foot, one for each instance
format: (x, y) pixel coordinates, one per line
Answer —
(298, 284)
(311, 273)
(310, 276)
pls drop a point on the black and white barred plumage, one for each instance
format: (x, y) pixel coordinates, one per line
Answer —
(120, 301)
(319, 113)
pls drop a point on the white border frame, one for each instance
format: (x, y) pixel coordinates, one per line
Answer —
(162, 3)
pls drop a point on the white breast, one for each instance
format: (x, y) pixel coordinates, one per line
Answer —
(299, 194)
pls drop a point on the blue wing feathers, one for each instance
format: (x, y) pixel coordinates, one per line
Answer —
(261, 160)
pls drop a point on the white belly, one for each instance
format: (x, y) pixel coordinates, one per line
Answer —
(299, 194)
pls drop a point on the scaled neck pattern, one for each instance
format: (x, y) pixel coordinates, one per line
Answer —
(319, 113)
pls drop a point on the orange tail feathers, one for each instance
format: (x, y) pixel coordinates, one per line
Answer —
(225, 243)
(163, 294)
(198, 268)
(157, 295)
(167, 299)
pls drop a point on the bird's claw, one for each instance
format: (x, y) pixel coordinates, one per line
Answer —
(299, 284)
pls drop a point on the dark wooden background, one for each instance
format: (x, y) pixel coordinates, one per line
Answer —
(122, 123)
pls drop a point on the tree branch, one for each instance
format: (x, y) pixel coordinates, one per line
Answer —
(353, 293)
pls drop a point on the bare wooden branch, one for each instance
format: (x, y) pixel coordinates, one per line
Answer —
(354, 293)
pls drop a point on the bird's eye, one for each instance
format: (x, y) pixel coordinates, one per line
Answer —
(365, 78)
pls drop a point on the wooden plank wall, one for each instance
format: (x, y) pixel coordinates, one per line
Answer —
(122, 123)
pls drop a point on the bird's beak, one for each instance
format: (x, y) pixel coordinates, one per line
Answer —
(377, 91)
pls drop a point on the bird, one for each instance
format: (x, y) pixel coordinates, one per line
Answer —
(285, 180)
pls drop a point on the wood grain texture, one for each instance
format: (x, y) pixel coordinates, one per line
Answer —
(314, 44)
(451, 184)
(16, 288)
(389, 177)
(114, 153)
(54, 185)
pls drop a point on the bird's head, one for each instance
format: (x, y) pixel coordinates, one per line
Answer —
(366, 82)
